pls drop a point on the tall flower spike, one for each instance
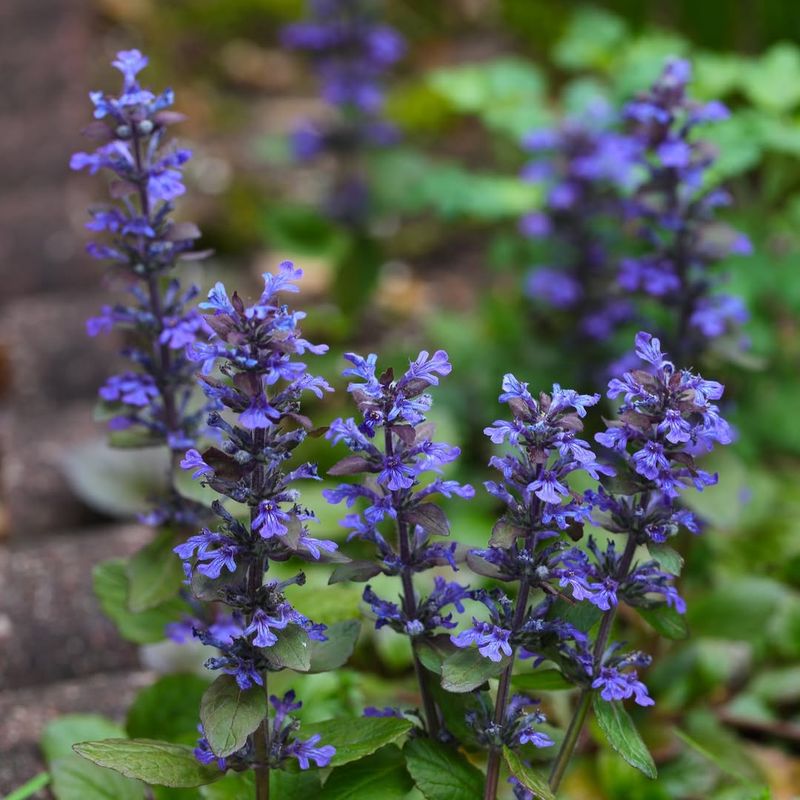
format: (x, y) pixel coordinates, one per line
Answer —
(261, 381)
(584, 166)
(351, 51)
(528, 543)
(149, 403)
(396, 493)
(667, 418)
(675, 215)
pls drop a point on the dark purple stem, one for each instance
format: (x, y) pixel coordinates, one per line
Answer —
(255, 579)
(161, 352)
(410, 609)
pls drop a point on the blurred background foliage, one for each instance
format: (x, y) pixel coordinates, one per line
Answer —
(443, 265)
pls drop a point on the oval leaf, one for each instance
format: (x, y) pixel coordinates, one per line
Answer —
(230, 714)
(430, 518)
(111, 587)
(291, 651)
(333, 653)
(77, 779)
(668, 559)
(467, 669)
(541, 680)
(440, 772)
(349, 465)
(358, 571)
(154, 574)
(381, 775)
(151, 761)
(622, 735)
(356, 737)
(528, 777)
(62, 733)
(666, 621)
(166, 709)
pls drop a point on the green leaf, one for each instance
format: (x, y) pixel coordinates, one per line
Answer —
(381, 775)
(433, 651)
(63, 732)
(668, 559)
(773, 82)
(709, 737)
(30, 787)
(283, 785)
(117, 483)
(541, 680)
(167, 709)
(527, 776)
(291, 651)
(230, 714)
(441, 772)
(622, 735)
(467, 669)
(583, 616)
(151, 761)
(359, 571)
(739, 609)
(592, 40)
(507, 94)
(410, 182)
(111, 587)
(666, 621)
(335, 652)
(76, 779)
(779, 686)
(356, 737)
(154, 574)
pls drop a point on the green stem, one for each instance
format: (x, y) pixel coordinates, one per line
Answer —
(570, 739)
(503, 689)
(579, 717)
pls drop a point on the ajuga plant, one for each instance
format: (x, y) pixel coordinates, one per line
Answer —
(154, 401)
(351, 49)
(261, 382)
(585, 166)
(392, 446)
(673, 213)
(667, 417)
(256, 391)
(628, 230)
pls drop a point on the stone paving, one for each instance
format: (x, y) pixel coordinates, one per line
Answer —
(57, 652)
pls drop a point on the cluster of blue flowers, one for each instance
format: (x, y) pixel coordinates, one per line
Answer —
(351, 52)
(675, 211)
(584, 166)
(648, 167)
(261, 382)
(397, 491)
(667, 417)
(151, 402)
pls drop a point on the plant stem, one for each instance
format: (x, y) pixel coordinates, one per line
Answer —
(161, 354)
(255, 581)
(584, 700)
(570, 739)
(410, 609)
(503, 689)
